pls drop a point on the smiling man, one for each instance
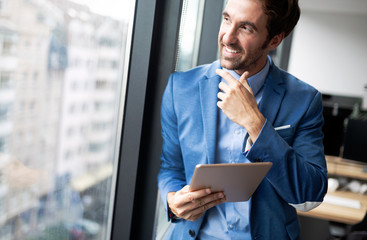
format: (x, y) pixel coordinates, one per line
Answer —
(241, 109)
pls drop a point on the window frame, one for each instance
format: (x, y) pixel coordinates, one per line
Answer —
(152, 59)
(155, 26)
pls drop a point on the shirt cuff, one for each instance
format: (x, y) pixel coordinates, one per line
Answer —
(172, 217)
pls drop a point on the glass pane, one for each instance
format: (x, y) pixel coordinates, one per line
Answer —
(61, 68)
(188, 48)
(189, 34)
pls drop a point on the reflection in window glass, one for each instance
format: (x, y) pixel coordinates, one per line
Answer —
(189, 34)
(187, 57)
(61, 68)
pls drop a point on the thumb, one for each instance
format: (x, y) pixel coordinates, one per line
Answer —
(186, 189)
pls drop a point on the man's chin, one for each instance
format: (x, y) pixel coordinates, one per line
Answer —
(230, 65)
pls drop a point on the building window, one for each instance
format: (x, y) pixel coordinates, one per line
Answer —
(5, 80)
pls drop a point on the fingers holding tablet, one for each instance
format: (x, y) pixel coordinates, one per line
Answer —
(191, 205)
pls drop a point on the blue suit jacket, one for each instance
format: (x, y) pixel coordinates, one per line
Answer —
(298, 178)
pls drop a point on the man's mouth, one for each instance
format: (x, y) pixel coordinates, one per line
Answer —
(231, 50)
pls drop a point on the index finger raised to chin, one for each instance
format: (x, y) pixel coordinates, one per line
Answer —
(226, 75)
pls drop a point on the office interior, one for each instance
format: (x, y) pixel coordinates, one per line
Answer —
(107, 188)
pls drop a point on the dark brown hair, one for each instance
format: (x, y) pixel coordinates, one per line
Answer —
(283, 16)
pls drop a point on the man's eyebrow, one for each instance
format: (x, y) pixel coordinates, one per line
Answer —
(251, 24)
(248, 23)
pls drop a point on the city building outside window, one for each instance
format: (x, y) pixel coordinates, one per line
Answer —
(61, 82)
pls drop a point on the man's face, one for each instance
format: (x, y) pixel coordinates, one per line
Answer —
(242, 37)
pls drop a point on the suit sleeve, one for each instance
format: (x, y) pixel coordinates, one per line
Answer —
(299, 172)
(171, 177)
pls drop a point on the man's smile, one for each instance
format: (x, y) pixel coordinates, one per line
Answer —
(230, 50)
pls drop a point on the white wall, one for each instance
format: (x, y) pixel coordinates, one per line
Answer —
(329, 51)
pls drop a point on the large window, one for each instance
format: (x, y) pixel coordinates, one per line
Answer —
(80, 91)
(61, 94)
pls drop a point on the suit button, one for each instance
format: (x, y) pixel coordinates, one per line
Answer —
(192, 233)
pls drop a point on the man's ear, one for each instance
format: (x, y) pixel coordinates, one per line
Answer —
(276, 41)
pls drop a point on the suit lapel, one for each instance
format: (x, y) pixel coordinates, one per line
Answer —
(273, 94)
(209, 110)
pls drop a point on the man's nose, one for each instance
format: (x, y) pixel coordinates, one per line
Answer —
(230, 36)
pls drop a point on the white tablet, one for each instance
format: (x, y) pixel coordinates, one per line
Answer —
(238, 181)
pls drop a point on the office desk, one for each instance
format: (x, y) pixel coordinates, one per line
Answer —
(342, 167)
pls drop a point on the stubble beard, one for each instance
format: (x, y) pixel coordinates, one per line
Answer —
(249, 61)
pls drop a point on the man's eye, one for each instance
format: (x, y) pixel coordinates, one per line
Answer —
(246, 28)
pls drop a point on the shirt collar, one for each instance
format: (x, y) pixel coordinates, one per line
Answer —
(256, 81)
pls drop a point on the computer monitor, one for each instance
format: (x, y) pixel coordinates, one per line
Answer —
(355, 140)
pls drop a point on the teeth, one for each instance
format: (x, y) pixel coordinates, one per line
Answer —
(231, 50)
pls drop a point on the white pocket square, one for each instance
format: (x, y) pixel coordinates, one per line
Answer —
(282, 127)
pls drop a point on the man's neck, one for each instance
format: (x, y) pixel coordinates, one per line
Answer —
(258, 66)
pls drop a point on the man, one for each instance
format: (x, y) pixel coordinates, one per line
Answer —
(209, 113)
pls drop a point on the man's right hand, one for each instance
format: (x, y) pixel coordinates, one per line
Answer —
(191, 205)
